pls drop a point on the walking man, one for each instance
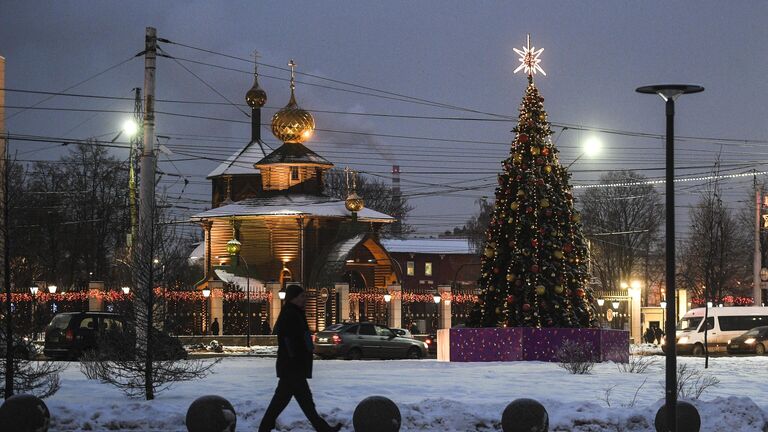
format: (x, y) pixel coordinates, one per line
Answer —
(294, 363)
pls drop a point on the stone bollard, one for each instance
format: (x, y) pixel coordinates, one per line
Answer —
(688, 418)
(376, 414)
(211, 414)
(524, 415)
(24, 413)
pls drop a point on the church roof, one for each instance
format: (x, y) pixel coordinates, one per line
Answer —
(430, 246)
(293, 204)
(241, 162)
(293, 153)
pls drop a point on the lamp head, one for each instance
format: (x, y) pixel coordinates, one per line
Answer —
(206, 292)
(126, 290)
(436, 298)
(52, 289)
(387, 297)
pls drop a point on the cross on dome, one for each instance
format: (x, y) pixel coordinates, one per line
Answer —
(529, 59)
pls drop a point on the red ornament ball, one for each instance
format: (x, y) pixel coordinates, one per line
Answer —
(548, 212)
(545, 151)
(567, 247)
(523, 138)
(526, 307)
(496, 270)
(510, 299)
(534, 242)
(529, 209)
(580, 292)
(534, 268)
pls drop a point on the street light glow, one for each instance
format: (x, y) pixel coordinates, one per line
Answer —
(592, 146)
(130, 128)
(52, 289)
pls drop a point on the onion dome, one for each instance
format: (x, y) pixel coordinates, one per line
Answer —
(256, 96)
(354, 203)
(292, 124)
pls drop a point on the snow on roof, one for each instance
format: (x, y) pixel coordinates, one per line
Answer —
(293, 204)
(434, 246)
(252, 285)
(241, 162)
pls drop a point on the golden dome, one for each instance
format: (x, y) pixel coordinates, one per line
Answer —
(354, 203)
(292, 124)
(256, 96)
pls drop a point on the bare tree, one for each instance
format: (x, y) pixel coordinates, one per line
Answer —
(144, 360)
(477, 225)
(621, 218)
(377, 194)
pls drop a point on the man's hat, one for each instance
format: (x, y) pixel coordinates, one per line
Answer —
(292, 291)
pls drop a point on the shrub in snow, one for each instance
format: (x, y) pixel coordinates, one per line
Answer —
(688, 418)
(691, 383)
(575, 358)
(40, 378)
(525, 415)
(24, 413)
(376, 414)
(637, 364)
(211, 414)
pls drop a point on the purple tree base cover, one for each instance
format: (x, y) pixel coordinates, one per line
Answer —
(528, 344)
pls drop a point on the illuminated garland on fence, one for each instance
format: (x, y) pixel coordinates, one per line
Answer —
(408, 297)
(729, 299)
(119, 296)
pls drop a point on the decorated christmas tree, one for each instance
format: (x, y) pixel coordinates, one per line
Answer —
(534, 264)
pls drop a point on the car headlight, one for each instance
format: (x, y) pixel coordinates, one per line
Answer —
(683, 340)
(749, 341)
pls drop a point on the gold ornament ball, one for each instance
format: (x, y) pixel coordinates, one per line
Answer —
(489, 252)
(558, 289)
(514, 205)
(511, 277)
(521, 193)
(535, 151)
(547, 169)
(558, 254)
(544, 203)
(517, 159)
(542, 116)
(540, 289)
(498, 310)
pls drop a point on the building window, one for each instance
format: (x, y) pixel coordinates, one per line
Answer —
(409, 268)
(294, 173)
(427, 268)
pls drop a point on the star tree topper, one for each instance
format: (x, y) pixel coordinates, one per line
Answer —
(529, 59)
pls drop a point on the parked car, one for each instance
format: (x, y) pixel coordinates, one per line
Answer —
(70, 334)
(355, 341)
(753, 341)
(402, 332)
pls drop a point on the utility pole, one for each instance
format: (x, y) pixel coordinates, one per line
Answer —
(757, 262)
(4, 246)
(143, 263)
(135, 145)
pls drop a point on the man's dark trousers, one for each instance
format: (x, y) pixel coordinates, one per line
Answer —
(292, 387)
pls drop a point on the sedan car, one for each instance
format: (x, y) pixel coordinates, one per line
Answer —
(354, 341)
(754, 341)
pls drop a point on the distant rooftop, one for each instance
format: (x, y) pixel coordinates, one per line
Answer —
(432, 246)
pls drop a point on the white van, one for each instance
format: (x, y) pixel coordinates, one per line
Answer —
(723, 324)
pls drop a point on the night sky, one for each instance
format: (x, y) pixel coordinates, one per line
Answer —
(451, 53)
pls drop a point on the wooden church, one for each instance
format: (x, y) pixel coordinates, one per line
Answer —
(271, 222)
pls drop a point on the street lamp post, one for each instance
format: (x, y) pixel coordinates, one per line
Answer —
(387, 299)
(600, 303)
(206, 294)
(670, 92)
(233, 248)
(34, 290)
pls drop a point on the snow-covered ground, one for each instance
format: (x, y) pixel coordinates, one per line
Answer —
(431, 395)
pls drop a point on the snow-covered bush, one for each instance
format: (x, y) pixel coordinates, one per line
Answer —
(575, 358)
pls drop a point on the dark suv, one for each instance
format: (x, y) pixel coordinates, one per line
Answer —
(71, 333)
(358, 340)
